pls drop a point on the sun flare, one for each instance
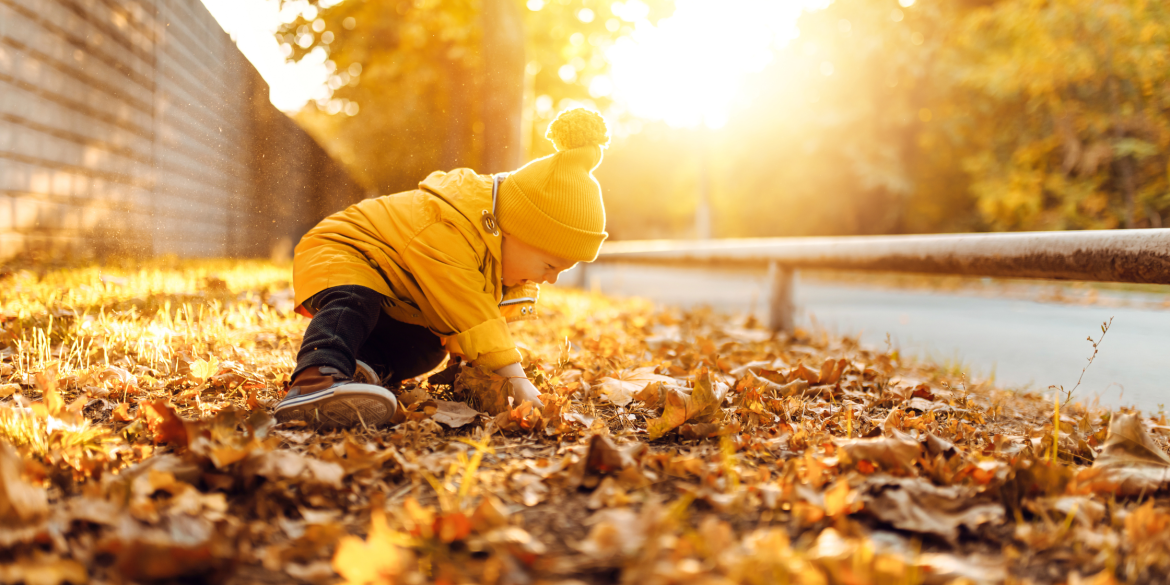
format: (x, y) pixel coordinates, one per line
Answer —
(689, 68)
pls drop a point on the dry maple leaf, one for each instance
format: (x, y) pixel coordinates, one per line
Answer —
(166, 426)
(701, 405)
(601, 458)
(1130, 463)
(454, 414)
(891, 453)
(919, 506)
(486, 391)
(621, 389)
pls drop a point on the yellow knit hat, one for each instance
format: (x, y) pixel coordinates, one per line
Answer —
(554, 203)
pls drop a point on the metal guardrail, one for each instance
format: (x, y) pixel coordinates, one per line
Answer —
(1133, 256)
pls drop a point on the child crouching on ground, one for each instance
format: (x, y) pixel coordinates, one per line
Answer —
(395, 283)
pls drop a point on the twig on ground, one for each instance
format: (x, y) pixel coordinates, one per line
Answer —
(1104, 329)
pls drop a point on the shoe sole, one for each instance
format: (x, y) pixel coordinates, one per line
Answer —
(348, 406)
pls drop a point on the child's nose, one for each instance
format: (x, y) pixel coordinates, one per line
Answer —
(553, 278)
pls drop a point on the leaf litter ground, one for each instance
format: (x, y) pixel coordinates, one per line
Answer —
(137, 445)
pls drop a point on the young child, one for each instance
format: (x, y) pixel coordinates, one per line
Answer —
(395, 283)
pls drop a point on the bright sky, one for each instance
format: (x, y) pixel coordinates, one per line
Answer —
(686, 71)
(253, 24)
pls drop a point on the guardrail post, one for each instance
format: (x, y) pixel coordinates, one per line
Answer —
(781, 305)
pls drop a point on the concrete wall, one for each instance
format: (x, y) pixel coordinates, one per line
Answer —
(137, 127)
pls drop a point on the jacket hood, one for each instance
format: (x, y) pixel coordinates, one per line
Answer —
(470, 193)
(467, 191)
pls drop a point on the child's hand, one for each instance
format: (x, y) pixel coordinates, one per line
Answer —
(523, 390)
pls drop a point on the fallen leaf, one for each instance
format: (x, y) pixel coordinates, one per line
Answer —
(20, 501)
(202, 370)
(485, 391)
(840, 500)
(616, 532)
(281, 464)
(603, 458)
(621, 389)
(43, 569)
(1130, 463)
(379, 559)
(122, 413)
(977, 569)
(454, 414)
(47, 384)
(701, 405)
(892, 454)
(803, 372)
(917, 505)
(166, 426)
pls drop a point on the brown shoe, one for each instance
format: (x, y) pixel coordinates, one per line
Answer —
(323, 396)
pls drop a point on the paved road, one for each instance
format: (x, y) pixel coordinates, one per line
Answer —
(1022, 343)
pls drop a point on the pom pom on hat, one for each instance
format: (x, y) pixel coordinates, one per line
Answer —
(576, 128)
(554, 202)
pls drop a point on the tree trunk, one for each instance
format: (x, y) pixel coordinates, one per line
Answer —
(501, 98)
(1124, 165)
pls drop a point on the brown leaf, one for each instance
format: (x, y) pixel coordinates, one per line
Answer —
(485, 391)
(20, 501)
(166, 426)
(1130, 463)
(890, 453)
(454, 414)
(283, 464)
(47, 383)
(702, 405)
(831, 371)
(770, 389)
(919, 506)
(802, 372)
(616, 532)
(700, 431)
(122, 413)
(602, 458)
(43, 569)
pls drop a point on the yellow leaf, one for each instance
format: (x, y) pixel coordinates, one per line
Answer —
(378, 560)
(47, 383)
(621, 390)
(203, 369)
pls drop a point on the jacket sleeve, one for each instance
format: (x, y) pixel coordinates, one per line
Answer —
(447, 270)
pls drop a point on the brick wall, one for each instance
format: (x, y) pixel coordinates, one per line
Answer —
(137, 127)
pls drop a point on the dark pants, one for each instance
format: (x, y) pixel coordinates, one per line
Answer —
(349, 324)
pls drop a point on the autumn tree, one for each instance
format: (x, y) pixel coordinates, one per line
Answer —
(1069, 108)
(895, 117)
(426, 85)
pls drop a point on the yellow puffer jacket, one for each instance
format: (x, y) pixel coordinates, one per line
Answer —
(428, 252)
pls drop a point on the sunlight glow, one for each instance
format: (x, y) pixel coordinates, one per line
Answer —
(252, 24)
(688, 69)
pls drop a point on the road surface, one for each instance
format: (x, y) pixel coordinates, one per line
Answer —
(1023, 344)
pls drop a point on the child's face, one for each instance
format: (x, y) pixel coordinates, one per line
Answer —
(524, 264)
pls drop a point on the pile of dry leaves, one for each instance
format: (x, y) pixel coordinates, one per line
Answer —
(136, 445)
